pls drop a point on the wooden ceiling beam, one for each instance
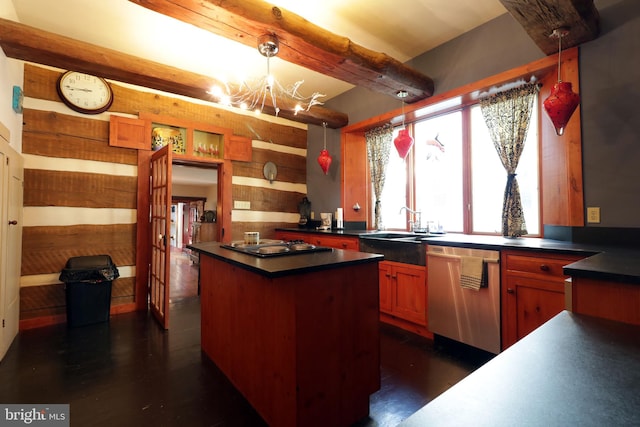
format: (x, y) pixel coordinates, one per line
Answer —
(301, 43)
(540, 17)
(26, 43)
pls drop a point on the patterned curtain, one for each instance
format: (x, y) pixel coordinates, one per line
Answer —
(378, 148)
(507, 116)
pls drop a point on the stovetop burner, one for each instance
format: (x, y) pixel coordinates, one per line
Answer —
(270, 248)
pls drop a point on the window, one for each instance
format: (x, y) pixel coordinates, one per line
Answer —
(454, 177)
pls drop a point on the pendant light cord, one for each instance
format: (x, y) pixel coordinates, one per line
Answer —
(559, 53)
(324, 125)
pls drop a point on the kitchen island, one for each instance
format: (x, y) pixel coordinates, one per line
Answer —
(298, 335)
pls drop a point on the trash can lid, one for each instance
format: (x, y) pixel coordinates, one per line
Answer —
(94, 268)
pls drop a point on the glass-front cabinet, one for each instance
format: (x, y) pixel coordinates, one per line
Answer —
(194, 141)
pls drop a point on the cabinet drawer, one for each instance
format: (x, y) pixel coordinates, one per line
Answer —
(546, 266)
(336, 242)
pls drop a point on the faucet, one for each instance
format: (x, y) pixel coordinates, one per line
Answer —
(416, 224)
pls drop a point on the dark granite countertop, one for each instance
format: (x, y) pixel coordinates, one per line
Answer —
(573, 370)
(279, 266)
(604, 262)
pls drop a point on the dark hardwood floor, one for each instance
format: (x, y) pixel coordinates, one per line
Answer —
(128, 371)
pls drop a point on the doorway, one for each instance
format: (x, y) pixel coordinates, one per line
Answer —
(194, 191)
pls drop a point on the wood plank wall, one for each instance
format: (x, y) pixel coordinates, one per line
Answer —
(80, 193)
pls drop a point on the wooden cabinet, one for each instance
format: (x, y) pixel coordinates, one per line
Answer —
(191, 141)
(608, 299)
(403, 296)
(532, 291)
(331, 241)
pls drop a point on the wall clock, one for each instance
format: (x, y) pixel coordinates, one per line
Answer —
(85, 93)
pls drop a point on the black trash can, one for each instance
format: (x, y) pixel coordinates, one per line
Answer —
(88, 282)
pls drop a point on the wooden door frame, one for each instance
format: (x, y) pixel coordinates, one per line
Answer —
(143, 251)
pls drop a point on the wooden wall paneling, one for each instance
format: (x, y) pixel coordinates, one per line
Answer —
(46, 300)
(268, 200)
(63, 124)
(55, 188)
(561, 156)
(47, 249)
(52, 144)
(291, 167)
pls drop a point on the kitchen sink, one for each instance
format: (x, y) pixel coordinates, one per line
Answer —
(400, 247)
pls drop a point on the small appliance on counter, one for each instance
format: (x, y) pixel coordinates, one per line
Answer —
(325, 221)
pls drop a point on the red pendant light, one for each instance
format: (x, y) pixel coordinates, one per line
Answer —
(403, 141)
(324, 159)
(562, 101)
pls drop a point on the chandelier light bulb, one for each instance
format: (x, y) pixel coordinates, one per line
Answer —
(254, 94)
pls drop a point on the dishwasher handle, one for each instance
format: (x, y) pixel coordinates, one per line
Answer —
(442, 255)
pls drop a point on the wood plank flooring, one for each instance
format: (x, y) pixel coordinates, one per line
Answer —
(128, 371)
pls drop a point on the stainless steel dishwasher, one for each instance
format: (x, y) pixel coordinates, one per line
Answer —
(465, 315)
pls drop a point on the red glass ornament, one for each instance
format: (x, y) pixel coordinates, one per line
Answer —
(403, 143)
(561, 104)
(324, 159)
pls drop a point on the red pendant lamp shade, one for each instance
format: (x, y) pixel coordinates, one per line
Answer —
(403, 143)
(324, 159)
(560, 105)
(562, 101)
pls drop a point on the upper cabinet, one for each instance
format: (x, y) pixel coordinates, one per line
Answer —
(189, 140)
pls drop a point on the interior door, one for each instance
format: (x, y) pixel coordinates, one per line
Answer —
(11, 191)
(160, 233)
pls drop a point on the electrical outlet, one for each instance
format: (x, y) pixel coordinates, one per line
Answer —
(241, 204)
(593, 215)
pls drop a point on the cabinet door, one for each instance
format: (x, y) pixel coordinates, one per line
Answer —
(386, 289)
(410, 297)
(536, 302)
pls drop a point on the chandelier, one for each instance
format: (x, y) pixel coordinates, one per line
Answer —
(255, 94)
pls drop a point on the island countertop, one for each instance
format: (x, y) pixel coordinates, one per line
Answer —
(279, 266)
(573, 370)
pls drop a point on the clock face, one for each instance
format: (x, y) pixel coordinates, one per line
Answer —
(85, 93)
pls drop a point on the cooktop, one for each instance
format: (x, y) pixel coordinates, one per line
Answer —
(273, 248)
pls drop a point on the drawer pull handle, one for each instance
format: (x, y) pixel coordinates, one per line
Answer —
(544, 267)
(511, 291)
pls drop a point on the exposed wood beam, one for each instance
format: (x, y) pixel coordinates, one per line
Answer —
(31, 44)
(301, 42)
(540, 17)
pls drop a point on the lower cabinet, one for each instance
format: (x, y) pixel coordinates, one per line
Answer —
(532, 291)
(403, 296)
(331, 241)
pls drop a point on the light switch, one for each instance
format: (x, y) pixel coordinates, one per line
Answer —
(241, 204)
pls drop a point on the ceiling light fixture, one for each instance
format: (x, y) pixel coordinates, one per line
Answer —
(562, 101)
(255, 94)
(324, 159)
(403, 141)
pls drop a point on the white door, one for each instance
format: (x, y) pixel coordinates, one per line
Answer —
(11, 181)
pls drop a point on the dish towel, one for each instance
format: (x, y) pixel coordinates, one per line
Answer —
(472, 272)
